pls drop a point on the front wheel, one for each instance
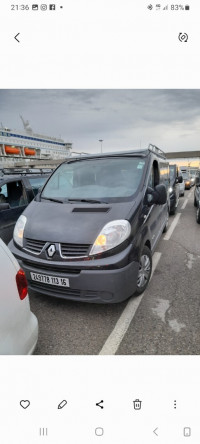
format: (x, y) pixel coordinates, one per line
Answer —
(144, 273)
(195, 201)
(198, 215)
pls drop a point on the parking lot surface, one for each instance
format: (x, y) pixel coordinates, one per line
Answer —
(164, 320)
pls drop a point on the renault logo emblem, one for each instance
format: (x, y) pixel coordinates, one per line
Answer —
(51, 250)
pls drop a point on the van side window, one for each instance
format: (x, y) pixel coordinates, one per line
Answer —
(154, 176)
(16, 194)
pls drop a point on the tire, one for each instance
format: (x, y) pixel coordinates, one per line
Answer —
(144, 273)
(167, 223)
(198, 215)
(195, 201)
(173, 211)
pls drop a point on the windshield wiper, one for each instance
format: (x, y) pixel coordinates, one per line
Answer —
(87, 200)
(52, 199)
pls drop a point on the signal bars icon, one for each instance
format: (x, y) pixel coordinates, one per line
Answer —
(150, 7)
(165, 8)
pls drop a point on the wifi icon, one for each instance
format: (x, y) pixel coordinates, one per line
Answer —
(150, 7)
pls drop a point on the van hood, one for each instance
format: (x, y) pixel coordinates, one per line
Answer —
(71, 223)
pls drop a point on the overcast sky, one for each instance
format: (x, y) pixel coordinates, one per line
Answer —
(124, 119)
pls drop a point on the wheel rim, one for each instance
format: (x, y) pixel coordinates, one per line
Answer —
(144, 271)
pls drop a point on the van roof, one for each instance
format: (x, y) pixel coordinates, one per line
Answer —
(132, 153)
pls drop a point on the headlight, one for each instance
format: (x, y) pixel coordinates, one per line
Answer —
(19, 230)
(112, 234)
(170, 189)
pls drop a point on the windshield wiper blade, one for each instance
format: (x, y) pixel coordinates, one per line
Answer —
(87, 201)
(52, 199)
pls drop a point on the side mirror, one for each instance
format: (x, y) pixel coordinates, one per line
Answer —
(161, 197)
(4, 206)
(157, 196)
(180, 179)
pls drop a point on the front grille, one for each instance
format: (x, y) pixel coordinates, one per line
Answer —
(48, 268)
(67, 250)
(74, 250)
(35, 246)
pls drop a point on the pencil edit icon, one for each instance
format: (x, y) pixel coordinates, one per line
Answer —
(62, 404)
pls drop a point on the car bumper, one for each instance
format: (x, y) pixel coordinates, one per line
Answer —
(112, 281)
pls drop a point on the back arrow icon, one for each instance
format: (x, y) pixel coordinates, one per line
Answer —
(155, 431)
(16, 37)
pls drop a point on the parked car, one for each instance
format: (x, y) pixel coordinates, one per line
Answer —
(192, 178)
(197, 196)
(89, 235)
(181, 186)
(186, 178)
(18, 186)
(175, 179)
(18, 325)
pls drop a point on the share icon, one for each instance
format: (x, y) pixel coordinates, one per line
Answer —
(98, 404)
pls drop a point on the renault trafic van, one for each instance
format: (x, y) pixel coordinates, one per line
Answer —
(90, 233)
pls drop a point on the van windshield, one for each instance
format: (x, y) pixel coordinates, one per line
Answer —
(107, 179)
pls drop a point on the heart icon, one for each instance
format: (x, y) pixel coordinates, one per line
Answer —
(24, 404)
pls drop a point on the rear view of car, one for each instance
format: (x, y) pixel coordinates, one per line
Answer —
(18, 325)
(186, 178)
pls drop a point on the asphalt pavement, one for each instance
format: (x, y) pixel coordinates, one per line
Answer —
(164, 320)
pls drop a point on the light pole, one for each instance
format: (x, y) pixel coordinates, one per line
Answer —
(101, 142)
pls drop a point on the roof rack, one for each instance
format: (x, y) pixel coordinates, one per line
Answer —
(24, 171)
(156, 150)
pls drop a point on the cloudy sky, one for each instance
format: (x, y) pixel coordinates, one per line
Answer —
(124, 119)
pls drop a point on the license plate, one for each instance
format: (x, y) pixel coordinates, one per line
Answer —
(51, 280)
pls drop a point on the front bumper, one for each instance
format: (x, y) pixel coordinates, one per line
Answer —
(112, 279)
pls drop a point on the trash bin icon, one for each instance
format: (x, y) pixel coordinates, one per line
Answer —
(137, 404)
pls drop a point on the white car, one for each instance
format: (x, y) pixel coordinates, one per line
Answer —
(18, 325)
(182, 188)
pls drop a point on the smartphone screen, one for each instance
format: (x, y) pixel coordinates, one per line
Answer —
(99, 222)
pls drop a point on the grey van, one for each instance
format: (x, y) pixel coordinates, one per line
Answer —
(90, 233)
(18, 186)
